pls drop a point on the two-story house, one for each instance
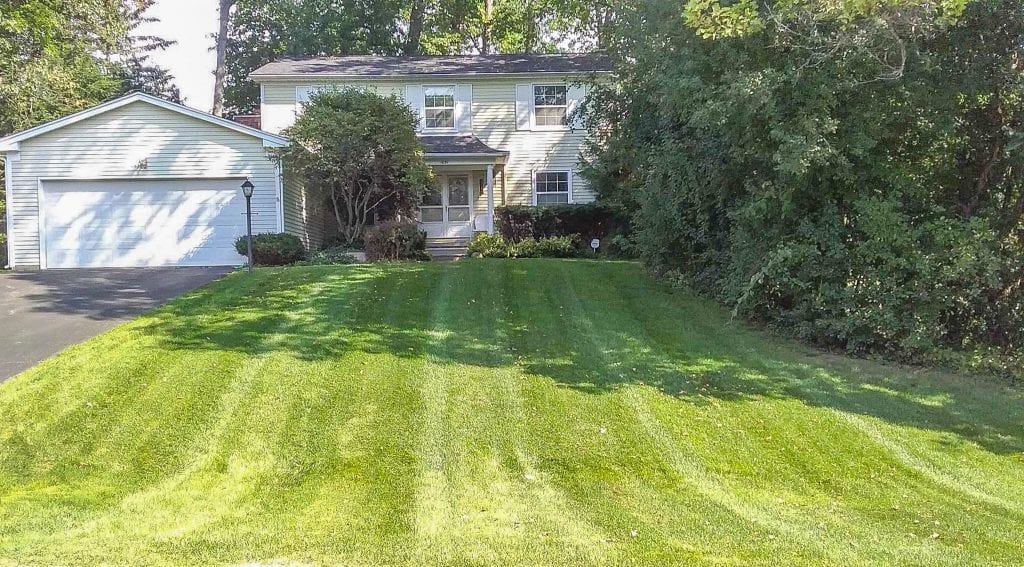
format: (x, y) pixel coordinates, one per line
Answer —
(140, 181)
(497, 129)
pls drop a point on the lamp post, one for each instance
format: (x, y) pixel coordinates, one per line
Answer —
(247, 188)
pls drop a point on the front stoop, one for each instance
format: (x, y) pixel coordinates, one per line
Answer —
(447, 249)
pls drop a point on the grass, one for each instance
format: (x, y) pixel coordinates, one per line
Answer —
(494, 412)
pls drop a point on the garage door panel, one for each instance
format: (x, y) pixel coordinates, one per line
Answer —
(129, 237)
(90, 206)
(142, 223)
(128, 226)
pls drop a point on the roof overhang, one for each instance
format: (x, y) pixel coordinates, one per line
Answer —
(465, 159)
(10, 143)
(419, 76)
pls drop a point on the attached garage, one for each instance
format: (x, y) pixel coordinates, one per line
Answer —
(139, 182)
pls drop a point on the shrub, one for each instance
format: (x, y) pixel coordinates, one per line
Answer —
(395, 240)
(488, 246)
(273, 249)
(333, 256)
(495, 246)
(554, 247)
(588, 221)
(3, 251)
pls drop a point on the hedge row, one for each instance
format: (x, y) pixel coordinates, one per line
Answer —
(517, 222)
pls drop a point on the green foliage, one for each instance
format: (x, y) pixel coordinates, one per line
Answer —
(488, 246)
(496, 246)
(588, 221)
(847, 172)
(396, 240)
(57, 58)
(273, 249)
(358, 150)
(334, 256)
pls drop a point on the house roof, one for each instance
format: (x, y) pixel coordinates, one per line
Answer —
(10, 143)
(439, 65)
(466, 145)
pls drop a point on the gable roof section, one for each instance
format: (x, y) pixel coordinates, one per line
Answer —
(444, 65)
(10, 143)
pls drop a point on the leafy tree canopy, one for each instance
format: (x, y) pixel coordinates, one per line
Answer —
(850, 171)
(358, 151)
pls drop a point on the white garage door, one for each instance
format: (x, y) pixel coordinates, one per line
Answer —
(142, 223)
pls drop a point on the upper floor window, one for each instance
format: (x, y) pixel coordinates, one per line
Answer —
(550, 106)
(439, 108)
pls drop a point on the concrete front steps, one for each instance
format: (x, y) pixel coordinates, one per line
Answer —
(447, 249)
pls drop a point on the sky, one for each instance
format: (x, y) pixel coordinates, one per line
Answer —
(191, 60)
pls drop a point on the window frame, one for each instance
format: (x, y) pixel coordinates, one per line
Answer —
(455, 103)
(568, 186)
(534, 106)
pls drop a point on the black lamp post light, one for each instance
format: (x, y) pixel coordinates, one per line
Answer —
(247, 188)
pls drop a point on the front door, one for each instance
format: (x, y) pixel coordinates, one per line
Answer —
(446, 210)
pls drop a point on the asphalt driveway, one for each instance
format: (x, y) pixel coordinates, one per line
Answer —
(42, 313)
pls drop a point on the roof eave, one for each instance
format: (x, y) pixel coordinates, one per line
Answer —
(269, 140)
(348, 76)
(466, 154)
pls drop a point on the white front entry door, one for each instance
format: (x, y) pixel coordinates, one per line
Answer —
(121, 223)
(446, 211)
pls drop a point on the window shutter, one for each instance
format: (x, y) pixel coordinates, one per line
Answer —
(414, 98)
(464, 108)
(574, 96)
(524, 107)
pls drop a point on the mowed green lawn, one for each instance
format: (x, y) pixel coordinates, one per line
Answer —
(494, 412)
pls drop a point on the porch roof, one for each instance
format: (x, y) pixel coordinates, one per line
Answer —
(458, 146)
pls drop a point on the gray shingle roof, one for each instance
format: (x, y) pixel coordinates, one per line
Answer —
(377, 66)
(456, 145)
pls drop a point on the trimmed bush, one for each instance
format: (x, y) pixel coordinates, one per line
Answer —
(488, 246)
(589, 221)
(333, 256)
(495, 246)
(273, 249)
(395, 240)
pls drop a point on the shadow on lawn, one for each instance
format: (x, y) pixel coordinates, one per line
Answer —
(593, 339)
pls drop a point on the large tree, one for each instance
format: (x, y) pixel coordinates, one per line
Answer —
(849, 171)
(358, 151)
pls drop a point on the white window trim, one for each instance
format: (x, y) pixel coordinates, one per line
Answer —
(533, 107)
(533, 184)
(455, 105)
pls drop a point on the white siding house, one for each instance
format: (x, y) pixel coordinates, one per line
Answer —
(137, 181)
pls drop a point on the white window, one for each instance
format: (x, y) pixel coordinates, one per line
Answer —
(439, 108)
(550, 106)
(551, 187)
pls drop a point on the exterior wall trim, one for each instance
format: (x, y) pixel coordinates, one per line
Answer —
(418, 76)
(9, 160)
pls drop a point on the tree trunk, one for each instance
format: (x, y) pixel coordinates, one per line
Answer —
(221, 72)
(486, 42)
(416, 22)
